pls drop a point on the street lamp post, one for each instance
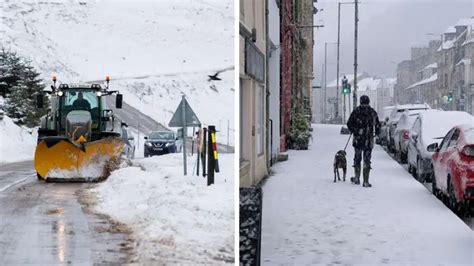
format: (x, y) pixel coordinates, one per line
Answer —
(325, 73)
(338, 46)
(356, 22)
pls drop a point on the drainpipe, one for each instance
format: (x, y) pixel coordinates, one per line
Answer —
(267, 89)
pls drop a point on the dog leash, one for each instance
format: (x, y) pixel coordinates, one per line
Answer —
(348, 141)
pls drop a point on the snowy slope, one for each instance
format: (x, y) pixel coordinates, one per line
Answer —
(16, 143)
(178, 219)
(162, 48)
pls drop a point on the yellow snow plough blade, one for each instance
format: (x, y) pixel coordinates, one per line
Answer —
(59, 158)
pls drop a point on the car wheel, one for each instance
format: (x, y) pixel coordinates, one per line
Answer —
(454, 205)
(419, 176)
(404, 157)
(434, 188)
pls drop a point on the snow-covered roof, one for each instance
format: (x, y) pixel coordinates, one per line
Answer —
(464, 22)
(451, 29)
(464, 61)
(424, 81)
(446, 45)
(368, 84)
(434, 65)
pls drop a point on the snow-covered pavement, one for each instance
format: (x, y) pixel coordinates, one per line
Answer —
(308, 219)
(175, 219)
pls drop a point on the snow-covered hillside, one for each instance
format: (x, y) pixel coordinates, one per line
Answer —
(16, 143)
(161, 48)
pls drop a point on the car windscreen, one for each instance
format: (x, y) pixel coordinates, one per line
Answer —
(162, 135)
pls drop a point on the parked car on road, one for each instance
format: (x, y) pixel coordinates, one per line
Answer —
(382, 137)
(453, 163)
(402, 134)
(161, 142)
(393, 120)
(430, 127)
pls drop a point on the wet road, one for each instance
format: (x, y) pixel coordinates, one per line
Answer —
(131, 115)
(45, 224)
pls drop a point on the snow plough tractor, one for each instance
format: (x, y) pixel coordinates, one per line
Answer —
(80, 138)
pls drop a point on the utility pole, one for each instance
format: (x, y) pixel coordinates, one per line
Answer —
(322, 92)
(325, 76)
(337, 68)
(356, 21)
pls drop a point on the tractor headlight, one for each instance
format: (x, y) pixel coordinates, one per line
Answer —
(99, 93)
(148, 144)
(60, 93)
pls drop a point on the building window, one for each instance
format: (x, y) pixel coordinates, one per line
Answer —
(260, 118)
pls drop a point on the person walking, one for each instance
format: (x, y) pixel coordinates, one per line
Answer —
(363, 123)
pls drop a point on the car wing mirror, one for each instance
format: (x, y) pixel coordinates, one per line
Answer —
(118, 101)
(145, 137)
(433, 147)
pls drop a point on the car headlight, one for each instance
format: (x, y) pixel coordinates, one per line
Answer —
(148, 144)
(169, 144)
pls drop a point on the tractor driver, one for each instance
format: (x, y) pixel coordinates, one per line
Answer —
(81, 103)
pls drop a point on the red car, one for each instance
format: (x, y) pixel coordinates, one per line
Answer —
(453, 165)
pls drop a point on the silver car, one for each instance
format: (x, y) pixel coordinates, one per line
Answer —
(402, 134)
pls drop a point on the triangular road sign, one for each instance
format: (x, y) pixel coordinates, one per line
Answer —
(189, 116)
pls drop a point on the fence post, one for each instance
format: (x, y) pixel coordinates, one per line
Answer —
(210, 155)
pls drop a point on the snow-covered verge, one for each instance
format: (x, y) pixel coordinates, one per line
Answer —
(309, 220)
(16, 143)
(176, 219)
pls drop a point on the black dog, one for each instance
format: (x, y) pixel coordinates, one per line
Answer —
(340, 162)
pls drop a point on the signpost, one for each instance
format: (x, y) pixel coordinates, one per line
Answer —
(184, 117)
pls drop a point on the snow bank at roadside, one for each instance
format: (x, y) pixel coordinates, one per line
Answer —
(175, 218)
(16, 143)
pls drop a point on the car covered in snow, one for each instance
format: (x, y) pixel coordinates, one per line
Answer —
(395, 115)
(382, 136)
(453, 163)
(430, 126)
(401, 136)
(161, 142)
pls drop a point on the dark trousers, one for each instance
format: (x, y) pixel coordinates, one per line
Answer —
(359, 153)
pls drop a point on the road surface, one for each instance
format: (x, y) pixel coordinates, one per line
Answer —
(131, 115)
(45, 224)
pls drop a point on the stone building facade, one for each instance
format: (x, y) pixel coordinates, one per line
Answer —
(444, 68)
(253, 90)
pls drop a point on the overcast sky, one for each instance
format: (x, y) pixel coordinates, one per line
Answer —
(387, 30)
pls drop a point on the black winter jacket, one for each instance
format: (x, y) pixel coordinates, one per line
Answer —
(362, 123)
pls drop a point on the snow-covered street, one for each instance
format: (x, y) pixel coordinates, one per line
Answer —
(176, 219)
(308, 219)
